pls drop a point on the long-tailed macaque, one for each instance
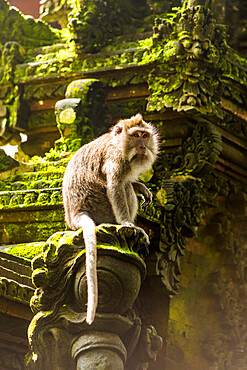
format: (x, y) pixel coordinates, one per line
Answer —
(100, 186)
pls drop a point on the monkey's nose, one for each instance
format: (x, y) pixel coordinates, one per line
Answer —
(141, 149)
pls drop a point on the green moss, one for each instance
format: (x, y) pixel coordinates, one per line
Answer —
(234, 66)
(41, 175)
(146, 176)
(162, 197)
(35, 229)
(27, 250)
(154, 212)
(4, 186)
(68, 60)
(116, 248)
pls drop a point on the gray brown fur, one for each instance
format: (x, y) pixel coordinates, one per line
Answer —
(100, 186)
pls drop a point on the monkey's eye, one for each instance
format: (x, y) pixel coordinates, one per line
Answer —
(145, 135)
(136, 134)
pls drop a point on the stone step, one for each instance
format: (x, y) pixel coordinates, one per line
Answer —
(30, 197)
(15, 278)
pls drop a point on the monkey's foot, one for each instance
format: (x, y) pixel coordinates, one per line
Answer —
(126, 236)
(144, 233)
(137, 228)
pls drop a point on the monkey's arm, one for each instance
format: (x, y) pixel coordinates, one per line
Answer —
(141, 190)
(116, 193)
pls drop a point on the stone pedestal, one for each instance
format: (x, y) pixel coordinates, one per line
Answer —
(59, 336)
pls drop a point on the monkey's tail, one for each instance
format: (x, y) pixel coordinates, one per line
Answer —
(89, 236)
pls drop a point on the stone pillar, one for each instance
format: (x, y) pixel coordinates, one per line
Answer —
(59, 336)
(97, 349)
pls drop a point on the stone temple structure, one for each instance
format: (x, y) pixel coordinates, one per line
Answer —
(180, 302)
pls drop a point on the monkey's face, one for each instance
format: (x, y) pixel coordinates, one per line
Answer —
(138, 140)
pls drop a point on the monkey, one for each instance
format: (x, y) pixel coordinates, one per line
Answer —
(100, 186)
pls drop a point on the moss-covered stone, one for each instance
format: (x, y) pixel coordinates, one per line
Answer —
(27, 250)
(24, 29)
(36, 199)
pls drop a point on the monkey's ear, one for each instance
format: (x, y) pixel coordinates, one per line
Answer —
(117, 130)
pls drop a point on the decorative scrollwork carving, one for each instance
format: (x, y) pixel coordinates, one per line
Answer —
(183, 212)
(15, 291)
(189, 187)
(61, 253)
(196, 157)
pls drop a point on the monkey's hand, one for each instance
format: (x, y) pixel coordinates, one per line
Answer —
(141, 190)
(147, 199)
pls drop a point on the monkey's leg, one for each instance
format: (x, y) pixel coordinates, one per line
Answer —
(131, 201)
(124, 204)
(133, 206)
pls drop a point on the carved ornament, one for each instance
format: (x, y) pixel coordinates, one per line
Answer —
(187, 77)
